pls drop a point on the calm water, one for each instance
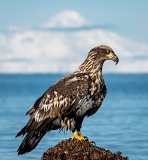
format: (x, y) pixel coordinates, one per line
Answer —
(121, 124)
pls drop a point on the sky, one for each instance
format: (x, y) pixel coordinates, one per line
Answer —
(44, 36)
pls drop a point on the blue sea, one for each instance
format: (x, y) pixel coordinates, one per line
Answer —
(121, 124)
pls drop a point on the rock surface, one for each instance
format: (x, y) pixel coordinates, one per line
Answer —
(79, 150)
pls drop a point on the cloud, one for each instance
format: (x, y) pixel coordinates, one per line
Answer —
(44, 50)
(66, 19)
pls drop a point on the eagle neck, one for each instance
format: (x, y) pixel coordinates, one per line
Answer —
(91, 68)
(96, 70)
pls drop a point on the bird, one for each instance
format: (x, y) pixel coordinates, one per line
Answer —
(67, 102)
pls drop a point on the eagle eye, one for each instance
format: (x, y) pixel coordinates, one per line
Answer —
(107, 51)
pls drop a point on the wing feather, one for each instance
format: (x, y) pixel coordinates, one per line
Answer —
(61, 98)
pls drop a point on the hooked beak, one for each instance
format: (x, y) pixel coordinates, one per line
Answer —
(113, 57)
(116, 59)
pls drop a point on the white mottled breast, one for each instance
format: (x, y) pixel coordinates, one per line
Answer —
(84, 104)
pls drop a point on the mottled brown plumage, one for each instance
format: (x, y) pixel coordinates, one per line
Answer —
(66, 103)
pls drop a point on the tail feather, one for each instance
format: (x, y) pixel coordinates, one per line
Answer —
(34, 133)
(30, 141)
(22, 132)
(27, 128)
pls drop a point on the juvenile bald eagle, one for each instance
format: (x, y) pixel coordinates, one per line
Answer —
(67, 102)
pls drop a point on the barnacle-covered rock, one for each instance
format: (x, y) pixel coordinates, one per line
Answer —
(80, 150)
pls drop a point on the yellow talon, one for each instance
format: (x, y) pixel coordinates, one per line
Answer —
(78, 136)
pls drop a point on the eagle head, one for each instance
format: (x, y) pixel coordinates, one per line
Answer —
(95, 59)
(103, 53)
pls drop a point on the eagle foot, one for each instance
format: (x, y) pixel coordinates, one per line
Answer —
(78, 135)
(90, 141)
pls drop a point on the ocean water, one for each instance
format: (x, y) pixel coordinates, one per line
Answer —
(121, 124)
